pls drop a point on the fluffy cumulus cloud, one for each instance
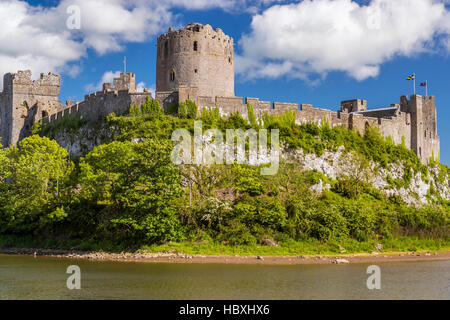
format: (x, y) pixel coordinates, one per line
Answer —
(38, 37)
(315, 37)
(48, 38)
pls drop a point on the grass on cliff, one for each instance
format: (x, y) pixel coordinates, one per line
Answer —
(70, 124)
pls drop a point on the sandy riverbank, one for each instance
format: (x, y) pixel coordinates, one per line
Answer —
(227, 259)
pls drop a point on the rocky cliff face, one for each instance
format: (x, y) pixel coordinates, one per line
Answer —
(81, 142)
(415, 190)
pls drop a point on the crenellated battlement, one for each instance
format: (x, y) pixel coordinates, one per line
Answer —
(193, 29)
(21, 83)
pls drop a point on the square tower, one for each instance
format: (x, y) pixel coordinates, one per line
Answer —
(353, 105)
(24, 101)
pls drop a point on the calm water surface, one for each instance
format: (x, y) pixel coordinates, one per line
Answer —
(24, 277)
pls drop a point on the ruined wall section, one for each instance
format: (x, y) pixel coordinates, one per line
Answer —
(196, 56)
(26, 101)
(398, 128)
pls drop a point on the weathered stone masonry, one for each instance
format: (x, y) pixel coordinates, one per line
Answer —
(197, 63)
(24, 102)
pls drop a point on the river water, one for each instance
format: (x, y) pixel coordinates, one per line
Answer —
(26, 277)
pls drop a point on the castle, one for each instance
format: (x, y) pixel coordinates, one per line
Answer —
(197, 63)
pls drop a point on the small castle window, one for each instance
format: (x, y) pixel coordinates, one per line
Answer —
(195, 46)
(197, 29)
(166, 49)
(195, 70)
(172, 76)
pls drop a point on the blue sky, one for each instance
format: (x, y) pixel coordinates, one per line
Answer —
(318, 52)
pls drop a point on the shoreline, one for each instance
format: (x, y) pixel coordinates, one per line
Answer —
(236, 259)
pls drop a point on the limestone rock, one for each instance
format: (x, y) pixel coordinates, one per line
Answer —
(340, 261)
(270, 243)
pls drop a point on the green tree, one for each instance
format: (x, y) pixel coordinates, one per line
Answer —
(155, 107)
(134, 110)
(251, 116)
(34, 180)
(182, 110)
(134, 186)
(147, 106)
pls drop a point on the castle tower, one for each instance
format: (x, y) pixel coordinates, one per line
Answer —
(23, 101)
(196, 57)
(424, 139)
(353, 105)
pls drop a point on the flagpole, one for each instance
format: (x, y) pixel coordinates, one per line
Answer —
(414, 83)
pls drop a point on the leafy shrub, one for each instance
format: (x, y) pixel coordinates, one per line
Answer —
(182, 110)
(192, 109)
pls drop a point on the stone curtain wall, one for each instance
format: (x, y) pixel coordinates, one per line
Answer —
(98, 105)
(397, 121)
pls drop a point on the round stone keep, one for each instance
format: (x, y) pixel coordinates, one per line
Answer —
(196, 56)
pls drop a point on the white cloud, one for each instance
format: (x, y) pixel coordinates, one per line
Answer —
(37, 37)
(108, 76)
(24, 44)
(140, 86)
(152, 89)
(318, 36)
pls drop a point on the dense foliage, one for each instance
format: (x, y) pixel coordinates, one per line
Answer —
(130, 193)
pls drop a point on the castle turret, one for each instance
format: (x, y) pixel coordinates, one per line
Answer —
(196, 57)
